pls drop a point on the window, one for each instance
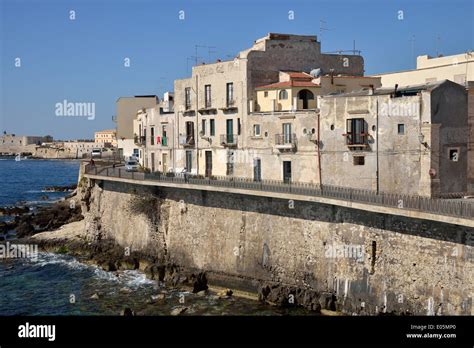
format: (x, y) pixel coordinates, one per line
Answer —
(207, 90)
(164, 138)
(359, 160)
(401, 129)
(283, 94)
(356, 132)
(187, 98)
(230, 94)
(203, 127)
(212, 127)
(454, 154)
(265, 94)
(461, 79)
(238, 126)
(152, 136)
(256, 130)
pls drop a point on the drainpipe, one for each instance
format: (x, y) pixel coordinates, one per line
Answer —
(319, 151)
(196, 128)
(377, 142)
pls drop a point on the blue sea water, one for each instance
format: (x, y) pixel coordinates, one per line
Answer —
(56, 284)
(23, 181)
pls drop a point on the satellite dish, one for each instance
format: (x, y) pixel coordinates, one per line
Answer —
(316, 72)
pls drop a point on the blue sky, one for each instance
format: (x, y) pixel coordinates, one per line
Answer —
(83, 60)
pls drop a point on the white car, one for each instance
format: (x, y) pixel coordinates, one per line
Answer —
(131, 166)
(96, 153)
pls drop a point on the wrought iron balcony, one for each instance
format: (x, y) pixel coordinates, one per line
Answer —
(229, 139)
(140, 140)
(357, 139)
(187, 141)
(285, 141)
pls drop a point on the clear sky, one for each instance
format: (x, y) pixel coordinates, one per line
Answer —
(82, 60)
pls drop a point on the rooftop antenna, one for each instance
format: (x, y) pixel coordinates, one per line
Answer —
(209, 51)
(412, 40)
(438, 41)
(322, 24)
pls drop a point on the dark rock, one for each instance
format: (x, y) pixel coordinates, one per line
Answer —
(127, 312)
(199, 282)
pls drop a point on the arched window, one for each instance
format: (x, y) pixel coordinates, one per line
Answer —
(283, 94)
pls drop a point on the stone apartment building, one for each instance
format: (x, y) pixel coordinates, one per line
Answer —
(409, 140)
(154, 140)
(283, 111)
(283, 132)
(458, 68)
(213, 105)
(106, 138)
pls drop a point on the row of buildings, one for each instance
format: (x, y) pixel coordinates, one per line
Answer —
(46, 147)
(282, 110)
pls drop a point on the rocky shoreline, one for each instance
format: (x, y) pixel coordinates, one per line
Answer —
(26, 221)
(61, 228)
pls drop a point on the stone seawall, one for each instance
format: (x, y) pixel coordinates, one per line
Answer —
(354, 261)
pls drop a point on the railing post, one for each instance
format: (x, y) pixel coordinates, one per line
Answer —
(107, 171)
(133, 176)
(95, 170)
(120, 172)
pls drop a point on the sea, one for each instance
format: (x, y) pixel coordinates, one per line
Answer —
(59, 284)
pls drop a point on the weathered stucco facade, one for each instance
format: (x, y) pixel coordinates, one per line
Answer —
(410, 141)
(224, 94)
(372, 263)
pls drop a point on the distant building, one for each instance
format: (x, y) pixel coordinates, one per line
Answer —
(457, 68)
(78, 149)
(106, 138)
(12, 144)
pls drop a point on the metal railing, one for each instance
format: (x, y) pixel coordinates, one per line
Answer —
(285, 139)
(229, 139)
(457, 208)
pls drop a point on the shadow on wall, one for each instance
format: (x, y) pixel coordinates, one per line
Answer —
(305, 210)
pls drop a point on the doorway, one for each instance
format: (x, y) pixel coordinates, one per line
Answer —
(164, 162)
(286, 172)
(257, 169)
(208, 163)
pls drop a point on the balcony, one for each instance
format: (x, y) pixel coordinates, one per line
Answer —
(231, 106)
(357, 140)
(229, 140)
(140, 141)
(186, 141)
(285, 142)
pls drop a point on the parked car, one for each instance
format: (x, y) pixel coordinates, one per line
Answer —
(131, 166)
(96, 153)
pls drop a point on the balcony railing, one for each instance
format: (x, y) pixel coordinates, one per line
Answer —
(140, 140)
(461, 208)
(285, 141)
(357, 139)
(187, 140)
(229, 139)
